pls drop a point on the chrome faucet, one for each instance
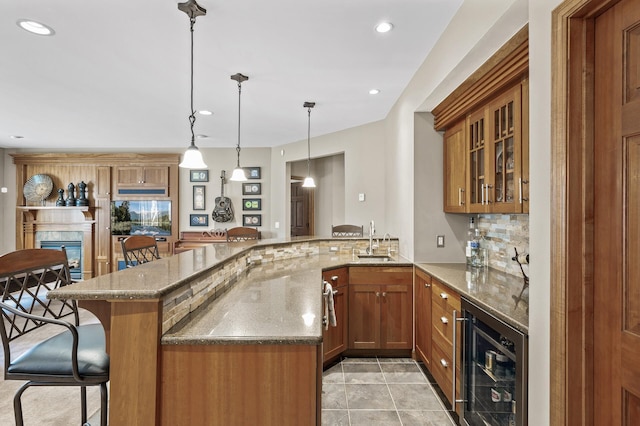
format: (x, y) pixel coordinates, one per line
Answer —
(372, 230)
(387, 237)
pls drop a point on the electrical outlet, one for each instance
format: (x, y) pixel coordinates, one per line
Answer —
(440, 241)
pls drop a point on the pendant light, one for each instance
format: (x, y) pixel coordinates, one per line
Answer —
(308, 181)
(192, 158)
(238, 173)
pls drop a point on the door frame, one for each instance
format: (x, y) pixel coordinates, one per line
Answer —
(312, 205)
(572, 197)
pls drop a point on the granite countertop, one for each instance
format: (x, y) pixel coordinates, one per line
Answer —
(274, 303)
(501, 295)
(156, 279)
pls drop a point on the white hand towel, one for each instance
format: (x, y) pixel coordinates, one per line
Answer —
(328, 290)
(331, 306)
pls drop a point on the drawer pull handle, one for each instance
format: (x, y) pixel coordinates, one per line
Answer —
(444, 363)
(427, 285)
(444, 295)
(334, 278)
(444, 320)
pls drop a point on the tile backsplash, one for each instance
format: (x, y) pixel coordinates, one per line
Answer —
(503, 232)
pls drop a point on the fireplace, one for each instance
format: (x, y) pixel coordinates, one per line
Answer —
(74, 255)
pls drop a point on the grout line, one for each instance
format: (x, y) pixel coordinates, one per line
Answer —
(389, 390)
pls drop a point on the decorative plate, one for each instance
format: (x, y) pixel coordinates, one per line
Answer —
(38, 188)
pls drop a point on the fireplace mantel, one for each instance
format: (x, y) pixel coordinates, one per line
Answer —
(53, 218)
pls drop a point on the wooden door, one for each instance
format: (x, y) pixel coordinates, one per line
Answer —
(455, 168)
(300, 210)
(423, 316)
(396, 316)
(364, 316)
(617, 216)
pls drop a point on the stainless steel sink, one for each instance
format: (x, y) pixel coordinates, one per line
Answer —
(374, 257)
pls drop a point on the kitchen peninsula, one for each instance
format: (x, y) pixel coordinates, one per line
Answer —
(226, 331)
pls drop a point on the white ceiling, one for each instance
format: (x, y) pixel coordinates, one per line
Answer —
(116, 73)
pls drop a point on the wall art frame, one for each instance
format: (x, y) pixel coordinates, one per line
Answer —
(199, 198)
(251, 204)
(198, 175)
(251, 220)
(251, 188)
(199, 219)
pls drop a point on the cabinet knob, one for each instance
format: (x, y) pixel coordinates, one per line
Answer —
(444, 295)
(444, 363)
(377, 294)
(334, 278)
(384, 294)
(427, 285)
(444, 320)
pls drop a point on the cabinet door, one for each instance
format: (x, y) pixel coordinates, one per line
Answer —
(505, 142)
(396, 315)
(455, 169)
(364, 316)
(142, 180)
(523, 183)
(478, 182)
(423, 316)
(334, 339)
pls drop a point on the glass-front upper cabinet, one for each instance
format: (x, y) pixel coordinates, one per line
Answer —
(504, 189)
(477, 155)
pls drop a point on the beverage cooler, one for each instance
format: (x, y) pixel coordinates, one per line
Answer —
(495, 370)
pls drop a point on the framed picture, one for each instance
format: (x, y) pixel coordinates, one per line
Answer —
(251, 204)
(199, 219)
(251, 189)
(252, 172)
(198, 197)
(199, 175)
(251, 220)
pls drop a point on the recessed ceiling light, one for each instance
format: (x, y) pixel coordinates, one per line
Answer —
(16, 137)
(202, 136)
(205, 112)
(374, 91)
(35, 27)
(384, 27)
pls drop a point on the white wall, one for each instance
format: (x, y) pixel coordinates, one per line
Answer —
(364, 172)
(218, 159)
(540, 214)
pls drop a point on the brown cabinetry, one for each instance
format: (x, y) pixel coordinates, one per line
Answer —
(445, 305)
(142, 180)
(136, 176)
(380, 307)
(492, 106)
(334, 339)
(455, 168)
(422, 283)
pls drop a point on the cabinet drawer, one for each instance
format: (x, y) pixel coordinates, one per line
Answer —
(380, 274)
(442, 370)
(442, 324)
(336, 277)
(444, 297)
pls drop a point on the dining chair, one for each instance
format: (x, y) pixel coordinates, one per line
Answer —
(75, 356)
(242, 233)
(347, 231)
(138, 249)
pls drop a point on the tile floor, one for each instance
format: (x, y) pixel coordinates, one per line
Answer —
(380, 391)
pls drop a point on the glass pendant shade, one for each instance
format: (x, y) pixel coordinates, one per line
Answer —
(238, 175)
(192, 159)
(308, 182)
